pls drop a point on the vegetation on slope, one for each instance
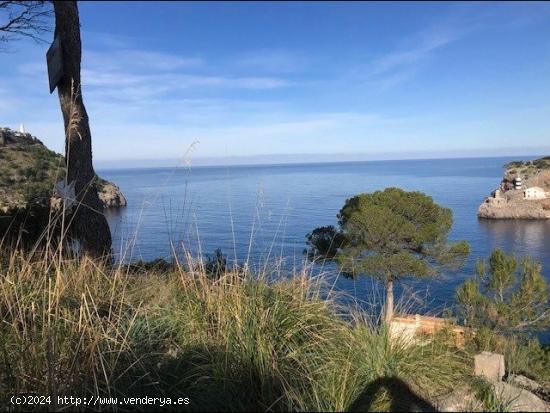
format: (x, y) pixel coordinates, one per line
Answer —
(235, 342)
(225, 339)
(507, 302)
(537, 164)
(28, 172)
(527, 170)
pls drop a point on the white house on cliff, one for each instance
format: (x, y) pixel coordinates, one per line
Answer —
(534, 192)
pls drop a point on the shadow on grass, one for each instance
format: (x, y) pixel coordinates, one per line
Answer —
(212, 379)
(390, 394)
(215, 380)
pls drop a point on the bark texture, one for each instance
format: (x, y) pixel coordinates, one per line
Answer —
(388, 307)
(88, 224)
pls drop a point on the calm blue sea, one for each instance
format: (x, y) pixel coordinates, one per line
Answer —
(264, 212)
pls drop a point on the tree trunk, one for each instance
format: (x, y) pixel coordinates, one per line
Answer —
(388, 306)
(88, 224)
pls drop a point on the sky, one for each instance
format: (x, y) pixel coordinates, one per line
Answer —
(246, 82)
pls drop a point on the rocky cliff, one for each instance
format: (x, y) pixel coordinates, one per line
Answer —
(510, 200)
(29, 171)
(111, 196)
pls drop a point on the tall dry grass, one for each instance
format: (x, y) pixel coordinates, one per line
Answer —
(237, 342)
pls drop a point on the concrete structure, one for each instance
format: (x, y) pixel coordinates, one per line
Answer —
(489, 366)
(534, 192)
(497, 193)
(409, 328)
(518, 183)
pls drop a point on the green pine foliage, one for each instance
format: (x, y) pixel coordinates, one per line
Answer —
(390, 235)
(505, 303)
(507, 295)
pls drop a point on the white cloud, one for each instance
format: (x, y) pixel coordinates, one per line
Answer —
(401, 64)
(139, 59)
(250, 137)
(273, 61)
(398, 59)
(130, 86)
(140, 74)
(107, 40)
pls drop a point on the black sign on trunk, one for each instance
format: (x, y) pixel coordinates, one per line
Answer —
(55, 63)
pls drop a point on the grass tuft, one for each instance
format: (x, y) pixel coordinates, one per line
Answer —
(236, 342)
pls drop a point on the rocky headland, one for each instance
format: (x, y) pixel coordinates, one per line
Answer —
(524, 192)
(29, 172)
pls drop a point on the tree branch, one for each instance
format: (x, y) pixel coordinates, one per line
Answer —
(29, 19)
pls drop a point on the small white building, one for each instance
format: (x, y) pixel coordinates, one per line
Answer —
(534, 192)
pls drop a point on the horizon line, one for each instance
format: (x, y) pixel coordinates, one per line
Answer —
(295, 163)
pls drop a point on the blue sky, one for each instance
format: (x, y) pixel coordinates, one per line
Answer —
(213, 81)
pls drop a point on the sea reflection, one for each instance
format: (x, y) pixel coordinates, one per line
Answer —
(521, 237)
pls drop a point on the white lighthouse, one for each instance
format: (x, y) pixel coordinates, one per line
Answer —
(518, 183)
(22, 129)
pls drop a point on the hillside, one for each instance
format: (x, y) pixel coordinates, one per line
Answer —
(511, 200)
(29, 171)
(526, 166)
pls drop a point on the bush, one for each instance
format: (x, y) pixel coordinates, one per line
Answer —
(523, 355)
(506, 295)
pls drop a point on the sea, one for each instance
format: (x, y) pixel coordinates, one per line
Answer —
(261, 214)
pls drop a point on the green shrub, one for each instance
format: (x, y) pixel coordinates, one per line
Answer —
(507, 295)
